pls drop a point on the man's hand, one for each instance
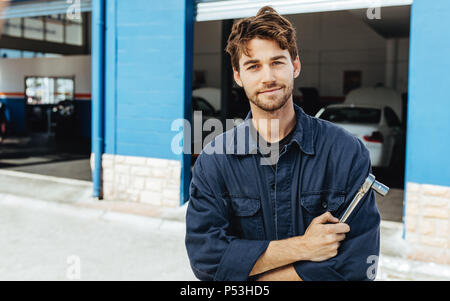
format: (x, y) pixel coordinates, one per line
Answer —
(321, 240)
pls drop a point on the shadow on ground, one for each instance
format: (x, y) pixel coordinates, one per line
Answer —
(41, 153)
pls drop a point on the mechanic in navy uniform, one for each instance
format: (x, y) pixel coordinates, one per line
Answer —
(254, 218)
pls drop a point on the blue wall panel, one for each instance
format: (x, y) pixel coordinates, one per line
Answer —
(428, 140)
(145, 76)
(110, 76)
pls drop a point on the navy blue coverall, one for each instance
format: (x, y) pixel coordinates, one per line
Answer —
(238, 205)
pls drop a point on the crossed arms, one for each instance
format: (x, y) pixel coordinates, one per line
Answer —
(320, 242)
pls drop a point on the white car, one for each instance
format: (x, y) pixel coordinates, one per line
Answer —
(207, 102)
(211, 95)
(377, 126)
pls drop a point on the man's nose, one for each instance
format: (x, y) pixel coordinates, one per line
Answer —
(267, 75)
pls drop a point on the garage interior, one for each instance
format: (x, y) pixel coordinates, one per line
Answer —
(340, 51)
(48, 99)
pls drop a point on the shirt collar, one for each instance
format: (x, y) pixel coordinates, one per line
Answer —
(303, 135)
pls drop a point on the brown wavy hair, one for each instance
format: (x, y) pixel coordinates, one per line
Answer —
(267, 25)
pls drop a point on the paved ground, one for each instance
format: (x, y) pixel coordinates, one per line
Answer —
(46, 241)
(391, 205)
(45, 221)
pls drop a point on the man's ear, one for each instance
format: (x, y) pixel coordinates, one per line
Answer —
(297, 67)
(237, 77)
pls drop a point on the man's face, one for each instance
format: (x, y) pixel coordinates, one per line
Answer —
(267, 75)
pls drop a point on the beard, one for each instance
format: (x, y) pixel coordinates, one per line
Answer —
(271, 103)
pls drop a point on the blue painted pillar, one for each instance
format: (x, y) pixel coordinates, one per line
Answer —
(428, 140)
(98, 54)
(427, 202)
(149, 53)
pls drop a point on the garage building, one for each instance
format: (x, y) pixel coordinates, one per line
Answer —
(147, 55)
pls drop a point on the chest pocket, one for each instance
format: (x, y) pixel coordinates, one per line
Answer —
(316, 203)
(247, 218)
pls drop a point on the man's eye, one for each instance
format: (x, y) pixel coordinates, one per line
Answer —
(252, 67)
(277, 63)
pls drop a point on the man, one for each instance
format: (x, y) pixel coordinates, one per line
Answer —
(252, 221)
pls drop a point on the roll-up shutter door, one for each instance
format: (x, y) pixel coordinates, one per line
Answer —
(207, 10)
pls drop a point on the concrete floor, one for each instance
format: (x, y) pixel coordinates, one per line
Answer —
(47, 241)
(391, 206)
(48, 225)
(78, 169)
(41, 154)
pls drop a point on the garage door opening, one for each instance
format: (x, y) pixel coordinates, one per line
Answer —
(352, 65)
(45, 91)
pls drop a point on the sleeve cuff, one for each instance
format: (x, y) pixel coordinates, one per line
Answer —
(239, 259)
(316, 271)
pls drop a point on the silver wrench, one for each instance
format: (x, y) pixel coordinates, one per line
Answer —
(369, 183)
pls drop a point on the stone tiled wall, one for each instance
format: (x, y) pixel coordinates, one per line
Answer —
(139, 179)
(427, 222)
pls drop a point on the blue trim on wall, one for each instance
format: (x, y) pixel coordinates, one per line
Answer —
(187, 104)
(17, 121)
(428, 143)
(111, 77)
(98, 91)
